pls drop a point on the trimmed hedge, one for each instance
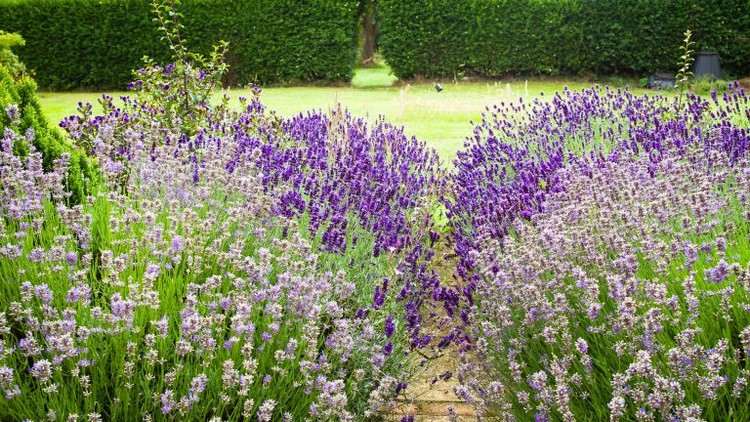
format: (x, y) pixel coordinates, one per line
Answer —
(73, 44)
(445, 38)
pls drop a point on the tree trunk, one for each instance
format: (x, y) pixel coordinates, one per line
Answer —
(369, 34)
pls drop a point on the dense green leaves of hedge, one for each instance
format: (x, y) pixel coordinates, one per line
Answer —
(47, 140)
(73, 44)
(445, 38)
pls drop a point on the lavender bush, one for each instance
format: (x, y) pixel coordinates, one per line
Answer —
(167, 296)
(626, 298)
(231, 265)
(510, 164)
(612, 281)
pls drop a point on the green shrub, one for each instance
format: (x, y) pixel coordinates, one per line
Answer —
(72, 44)
(48, 141)
(9, 40)
(447, 38)
(705, 86)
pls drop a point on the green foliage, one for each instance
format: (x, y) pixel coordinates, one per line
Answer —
(73, 44)
(705, 86)
(450, 38)
(48, 141)
(182, 88)
(8, 40)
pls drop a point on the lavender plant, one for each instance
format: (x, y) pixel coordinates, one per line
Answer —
(339, 166)
(21, 113)
(179, 290)
(231, 265)
(604, 239)
(625, 299)
(511, 163)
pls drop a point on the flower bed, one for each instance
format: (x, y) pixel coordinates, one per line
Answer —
(230, 265)
(615, 286)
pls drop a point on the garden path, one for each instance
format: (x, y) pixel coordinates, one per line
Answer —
(428, 397)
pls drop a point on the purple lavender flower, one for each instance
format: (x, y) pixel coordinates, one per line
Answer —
(12, 112)
(169, 69)
(718, 273)
(122, 309)
(197, 386)
(177, 245)
(167, 402)
(41, 370)
(541, 417)
(265, 412)
(389, 326)
(379, 296)
(71, 258)
(43, 293)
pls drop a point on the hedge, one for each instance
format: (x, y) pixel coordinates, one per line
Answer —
(490, 38)
(75, 44)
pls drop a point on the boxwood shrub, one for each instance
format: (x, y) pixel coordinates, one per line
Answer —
(446, 38)
(75, 44)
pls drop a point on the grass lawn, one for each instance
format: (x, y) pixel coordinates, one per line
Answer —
(442, 119)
